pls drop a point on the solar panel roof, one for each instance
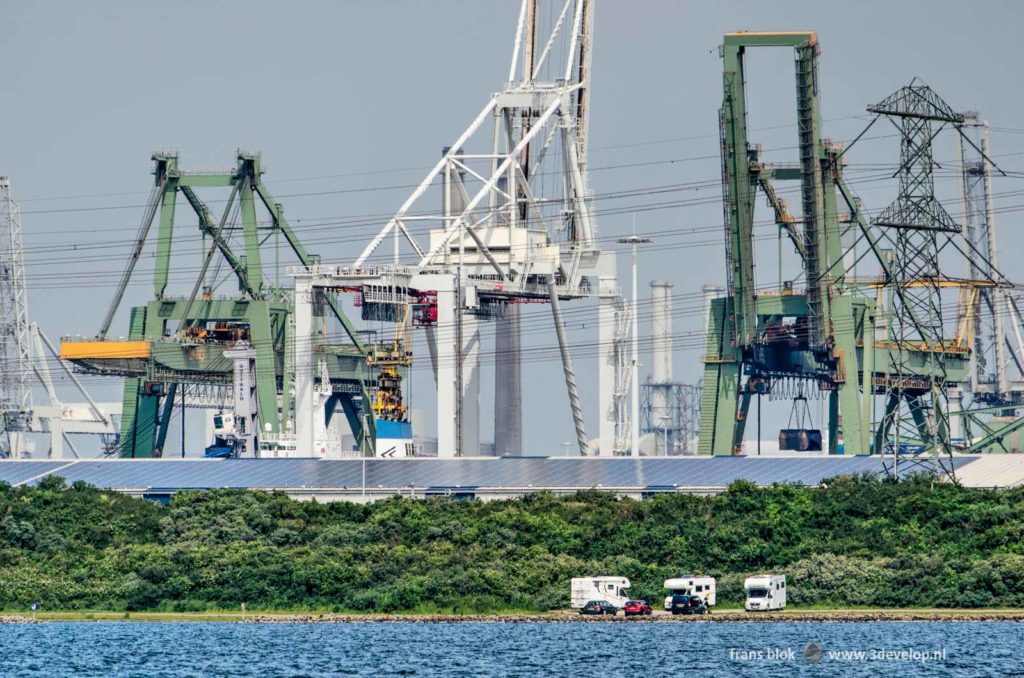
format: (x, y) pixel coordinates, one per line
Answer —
(520, 472)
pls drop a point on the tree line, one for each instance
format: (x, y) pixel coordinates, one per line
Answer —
(858, 542)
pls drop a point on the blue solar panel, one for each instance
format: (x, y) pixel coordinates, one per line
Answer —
(526, 472)
(16, 472)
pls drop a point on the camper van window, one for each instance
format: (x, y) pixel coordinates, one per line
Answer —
(757, 593)
(699, 588)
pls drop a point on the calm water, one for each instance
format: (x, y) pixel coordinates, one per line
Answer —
(519, 649)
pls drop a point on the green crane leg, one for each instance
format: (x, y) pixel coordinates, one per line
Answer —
(253, 264)
(165, 418)
(892, 404)
(330, 405)
(138, 421)
(740, 424)
(855, 429)
(920, 419)
(833, 423)
(365, 439)
(266, 375)
(867, 382)
(164, 238)
(848, 399)
(718, 409)
(719, 400)
(287, 383)
(941, 440)
(740, 192)
(139, 412)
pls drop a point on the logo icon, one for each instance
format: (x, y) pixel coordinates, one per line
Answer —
(813, 653)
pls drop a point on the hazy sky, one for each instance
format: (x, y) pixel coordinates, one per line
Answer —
(346, 96)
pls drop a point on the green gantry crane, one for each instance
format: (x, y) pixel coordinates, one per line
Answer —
(175, 342)
(833, 334)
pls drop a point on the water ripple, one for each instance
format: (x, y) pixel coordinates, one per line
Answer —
(515, 650)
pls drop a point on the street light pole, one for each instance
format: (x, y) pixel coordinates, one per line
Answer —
(634, 414)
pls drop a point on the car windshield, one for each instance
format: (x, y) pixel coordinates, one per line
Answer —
(757, 593)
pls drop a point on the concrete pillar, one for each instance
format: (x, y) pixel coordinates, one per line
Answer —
(304, 436)
(607, 368)
(508, 389)
(470, 386)
(446, 392)
(661, 362)
(661, 331)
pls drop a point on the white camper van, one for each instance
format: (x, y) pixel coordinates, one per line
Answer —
(765, 592)
(690, 585)
(611, 589)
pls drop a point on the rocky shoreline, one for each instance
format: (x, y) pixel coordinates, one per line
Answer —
(572, 617)
(559, 617)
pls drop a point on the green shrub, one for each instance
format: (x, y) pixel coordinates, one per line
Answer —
(861, 542)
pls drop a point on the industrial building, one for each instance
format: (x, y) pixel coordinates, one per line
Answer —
(370, 479)
(898, 319)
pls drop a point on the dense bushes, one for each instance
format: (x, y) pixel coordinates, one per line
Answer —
(859, 542)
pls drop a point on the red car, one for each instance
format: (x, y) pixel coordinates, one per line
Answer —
(637, 607)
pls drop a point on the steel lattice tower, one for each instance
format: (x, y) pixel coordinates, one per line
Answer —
(915, 425)
(15, 349)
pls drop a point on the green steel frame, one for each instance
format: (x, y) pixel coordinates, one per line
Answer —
(151, 385)
(834, 346)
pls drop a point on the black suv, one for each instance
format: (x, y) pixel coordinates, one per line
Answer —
(598, 607)
(689, 605)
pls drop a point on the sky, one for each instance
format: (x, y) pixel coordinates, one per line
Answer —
(350, 101)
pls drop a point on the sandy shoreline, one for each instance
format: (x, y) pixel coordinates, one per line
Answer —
(561, 616)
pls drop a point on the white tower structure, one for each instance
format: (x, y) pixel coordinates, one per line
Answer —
(989, 375)
(23, 360)
(515, 224)
(15, 349)
(661, 358)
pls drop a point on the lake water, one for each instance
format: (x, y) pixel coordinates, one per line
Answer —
(511, 649)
